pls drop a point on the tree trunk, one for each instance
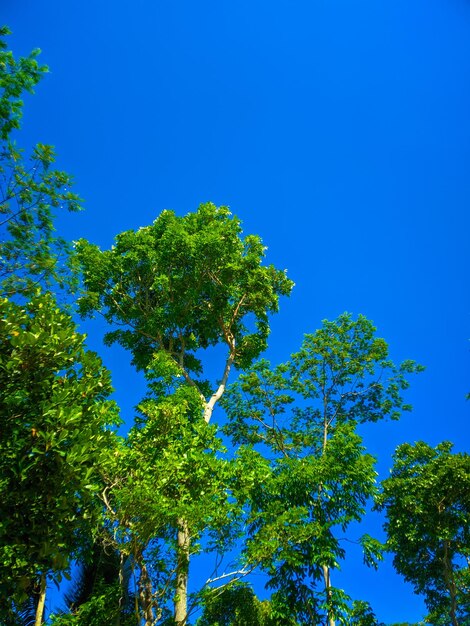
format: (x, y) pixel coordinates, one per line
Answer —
(450, 584)
(121, 589)
(183, 538)
(326, 569)
(145, 595)
(41, 602)
(326, 578)
(182, 570)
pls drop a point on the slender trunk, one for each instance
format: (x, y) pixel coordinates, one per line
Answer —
(450, 583)
(121, 588)
(183, 537)
(182, 570)
(326, 578)
(209, 406)
(41, 602)
(453, 615)
(145, 595)
(136, 610)
(325, 436)
(136, 596)
(326, 569)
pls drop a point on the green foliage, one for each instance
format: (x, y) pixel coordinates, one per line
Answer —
(16, 77)
(102, 609)
(173, 290)
(97, 597)
(310, 475)
(54, 436)
(23, 614)
(99, 592)
(184, 284)
(183, 457)
(347, 365)
(30, 253)
(362, 615)
(427, 504)
(170, 467)
(53, 442)
(235, 605)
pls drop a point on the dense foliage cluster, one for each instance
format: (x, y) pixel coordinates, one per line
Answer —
(426, 500)
(275, 489)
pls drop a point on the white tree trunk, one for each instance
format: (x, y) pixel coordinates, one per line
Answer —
(181, 600)
(41, 602)
(183, 537)
(326, 578)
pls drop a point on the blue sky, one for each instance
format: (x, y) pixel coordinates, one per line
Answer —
(338, 131)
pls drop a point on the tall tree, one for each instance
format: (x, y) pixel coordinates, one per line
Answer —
(173, 290)
(427, 505)
(53, 393)
(30, 190)
(311, 475)
(54, 437)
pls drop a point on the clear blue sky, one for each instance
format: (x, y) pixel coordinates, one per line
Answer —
(339, 131)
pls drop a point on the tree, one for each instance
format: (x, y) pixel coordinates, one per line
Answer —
(53, 393)
(30, 253)
(54, 440)
(169, 468)
(100, 591)
(296, 425)
(427, 506)
(173, 290)
(235, 605)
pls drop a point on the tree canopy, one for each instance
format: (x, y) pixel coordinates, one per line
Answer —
(298, 425)
(427, 505)
(31, 254)
(57, 418)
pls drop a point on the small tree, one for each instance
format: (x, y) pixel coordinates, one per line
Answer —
(427, 504)
(235, 605)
